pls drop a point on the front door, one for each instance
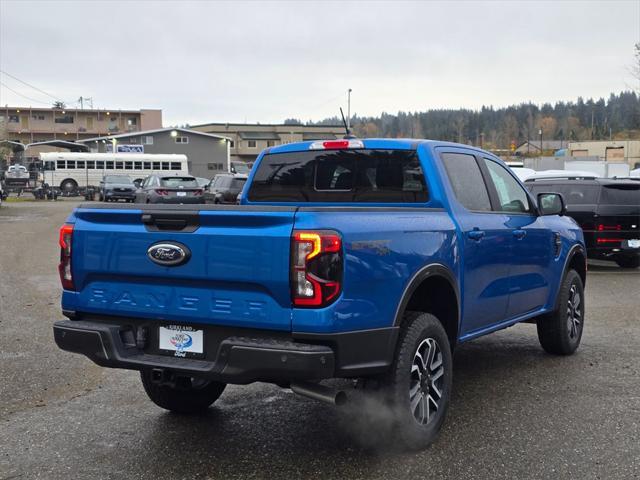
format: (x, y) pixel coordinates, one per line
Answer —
(533, 244)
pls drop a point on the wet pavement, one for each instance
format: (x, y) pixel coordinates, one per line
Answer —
(516, 412)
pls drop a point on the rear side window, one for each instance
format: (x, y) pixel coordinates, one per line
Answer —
(466, 181)
(238, 183)
(381, 176)
(621, 194)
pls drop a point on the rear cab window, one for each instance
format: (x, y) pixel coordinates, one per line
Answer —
(356, 175)
(176, 182)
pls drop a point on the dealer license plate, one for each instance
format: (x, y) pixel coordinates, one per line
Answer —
(181, 340)
(633, 243)
(182, 194)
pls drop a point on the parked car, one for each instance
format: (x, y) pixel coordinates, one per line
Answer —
(607, 210)
(225, 188)
(360, 259)
(116, 187)
(16, 178)
(169, 189)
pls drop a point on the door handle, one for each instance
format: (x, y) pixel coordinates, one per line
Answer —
(519, 234)
(475, 235)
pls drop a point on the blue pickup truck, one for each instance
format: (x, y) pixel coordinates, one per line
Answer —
(364, 259)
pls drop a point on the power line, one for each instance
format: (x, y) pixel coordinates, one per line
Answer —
(31, 86)
(21, 95)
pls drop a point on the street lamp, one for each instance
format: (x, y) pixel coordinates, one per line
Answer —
(540, 133)
(349, 109)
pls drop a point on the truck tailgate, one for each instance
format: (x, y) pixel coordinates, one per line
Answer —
(237, 273)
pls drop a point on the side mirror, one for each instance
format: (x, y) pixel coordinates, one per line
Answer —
(137, 183)
(551, 204)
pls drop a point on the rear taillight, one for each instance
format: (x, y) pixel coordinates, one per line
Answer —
(197, 192)
(609, 240)
(162, 192)
(609, 228)
(316, 268)
(64, 268)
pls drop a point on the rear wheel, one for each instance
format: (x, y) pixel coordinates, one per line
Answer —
(418, 386)
(69, 186)
(560, 332)
(628, 262)
(189, 395)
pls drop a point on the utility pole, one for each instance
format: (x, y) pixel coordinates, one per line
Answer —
(349, 109)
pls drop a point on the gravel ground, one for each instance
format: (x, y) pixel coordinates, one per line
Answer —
(515, 413)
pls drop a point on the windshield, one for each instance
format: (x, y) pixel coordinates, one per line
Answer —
(384, 176)
(117, 179)
(177, 182)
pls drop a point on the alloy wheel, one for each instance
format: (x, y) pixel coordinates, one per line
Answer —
(574, 312)
(427, 381)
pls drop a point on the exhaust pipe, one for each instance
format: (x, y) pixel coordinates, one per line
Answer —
(319, 392)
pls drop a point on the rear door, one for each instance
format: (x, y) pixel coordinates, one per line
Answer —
(486, 240)
(237, 273)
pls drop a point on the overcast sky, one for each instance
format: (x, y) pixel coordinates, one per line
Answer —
(266, 61)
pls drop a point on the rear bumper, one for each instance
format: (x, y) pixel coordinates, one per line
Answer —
(231, 355)
(608, 253)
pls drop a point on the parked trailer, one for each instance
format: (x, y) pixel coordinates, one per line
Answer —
(71, 171)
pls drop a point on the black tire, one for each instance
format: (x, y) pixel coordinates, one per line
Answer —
(189, 396)
(69, 185)
(628, 262)
(560, 331)
(417, 427)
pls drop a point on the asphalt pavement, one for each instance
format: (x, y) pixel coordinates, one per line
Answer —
(516, 412)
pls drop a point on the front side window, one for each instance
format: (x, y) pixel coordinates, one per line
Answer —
(382, 176)
(512, 198)
(466, 180)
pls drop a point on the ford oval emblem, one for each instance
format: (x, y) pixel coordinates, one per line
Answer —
(169, 254)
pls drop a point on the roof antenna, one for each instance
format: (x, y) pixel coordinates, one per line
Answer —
(348, 134)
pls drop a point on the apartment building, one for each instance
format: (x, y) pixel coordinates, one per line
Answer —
(249, 139)
(29, 125)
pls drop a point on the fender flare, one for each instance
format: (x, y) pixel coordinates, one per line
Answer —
(431, 270)
(572, 253)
